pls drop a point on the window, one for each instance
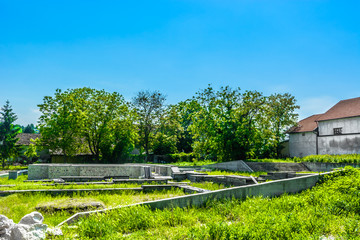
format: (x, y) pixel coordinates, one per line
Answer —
(337, 131)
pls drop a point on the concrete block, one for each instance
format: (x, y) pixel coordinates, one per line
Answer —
(13, 175)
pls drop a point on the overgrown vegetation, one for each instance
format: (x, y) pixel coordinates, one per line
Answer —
(13, 167)
(344, 158)
(8, 132)
(331, 209)
(17, 205)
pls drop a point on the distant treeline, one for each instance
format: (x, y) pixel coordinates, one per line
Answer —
(224, 124)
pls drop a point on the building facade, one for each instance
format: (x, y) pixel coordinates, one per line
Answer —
(335, 132)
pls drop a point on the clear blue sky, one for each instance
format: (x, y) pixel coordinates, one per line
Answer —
(309, 48)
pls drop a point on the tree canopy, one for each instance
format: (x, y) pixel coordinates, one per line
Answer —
(149, 107)
(8, 132)
(85, 120)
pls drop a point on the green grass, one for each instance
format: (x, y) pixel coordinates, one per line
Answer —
(21, 185)
(11, 167)
(279, 160)
(219, 172)
(193, 163)
(331, 209)
(345, 158)
(17, 205)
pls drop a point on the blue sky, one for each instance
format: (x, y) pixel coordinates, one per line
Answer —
(309, 48)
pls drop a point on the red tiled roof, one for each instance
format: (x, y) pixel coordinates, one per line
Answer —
(343, 109)
(306, 125)
(24, 138)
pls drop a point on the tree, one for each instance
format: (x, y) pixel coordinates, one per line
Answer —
(59, 124)
(30, 128)
(86, 120)
(231, 125)
(149, 107)
(281, 116)
(8, 133)
(168, 133)
(219, 124)
(31, 152)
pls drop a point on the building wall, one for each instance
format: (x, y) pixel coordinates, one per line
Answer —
(346, 143)
(302, 144)
(339, 144)
(348, 125)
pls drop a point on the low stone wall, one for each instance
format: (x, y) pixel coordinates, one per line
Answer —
(325, 167)
(239, 166)
(277, 167)
(267, 189)
(51, 171)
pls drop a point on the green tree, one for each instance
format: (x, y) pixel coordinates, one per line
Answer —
(87, 120)
(30, 128)
(215, 125)
(149, 107)
(8, 133)
(168, 132)
(59, 124)
(225, 123)
(182, 114)
(31, 152)
(281, 116)
(229, 124)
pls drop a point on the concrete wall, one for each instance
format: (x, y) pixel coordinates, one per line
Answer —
(267, 189)
(51, 171)
(239, 165)
(325, 167)
(348, 125)
(38, 171)
(339, 144)
(346, 143)
(302, 144)
(277, 167)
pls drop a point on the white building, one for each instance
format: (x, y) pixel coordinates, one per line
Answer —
(335, 132)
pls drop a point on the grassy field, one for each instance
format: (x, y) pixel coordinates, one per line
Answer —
(329, 210)
(17, 205)
(21, 185)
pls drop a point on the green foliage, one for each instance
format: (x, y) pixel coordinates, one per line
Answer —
(17, 205)
(280, 116)
(273, 160)
(30, 128)
(149, 107)
(86, 120)
(31, 151)
(8, 132)
(164, 144)
(183, 157)
(231, 125)
(331, 209)
(344, 158)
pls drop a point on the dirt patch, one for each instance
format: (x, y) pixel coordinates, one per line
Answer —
(71, 205)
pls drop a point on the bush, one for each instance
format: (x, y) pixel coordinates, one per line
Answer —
(182, 157)
(345, 158)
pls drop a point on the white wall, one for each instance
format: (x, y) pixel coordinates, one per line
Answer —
(339, 144)
(348, 125)
(301, 146)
